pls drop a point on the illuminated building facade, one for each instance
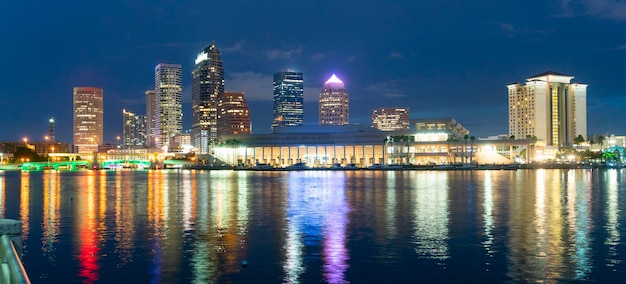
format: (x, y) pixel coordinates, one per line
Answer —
(549, 108)
(333, 103)
(150, 130)
(168, 109)
(234, 115)
(427, 143)
(207, 83)
(390, 119)
(134, 130)
(88, 118)
(288, 99)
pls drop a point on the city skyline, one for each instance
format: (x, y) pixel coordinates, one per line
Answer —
(438, 60)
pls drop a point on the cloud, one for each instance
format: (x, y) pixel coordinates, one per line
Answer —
(164, 45)
(237, 47)
(388, 89)
(605, 9)
(256, 86)
(351, 58)
(396, 55)
(508, 29)
(275, 54)
(621, 47)
(318, 56)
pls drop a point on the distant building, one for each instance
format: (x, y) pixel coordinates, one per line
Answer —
(549, 108)
(439, 129)
(180, 143)
(333, 103)
(88, 119)
(390, 119)
(288, 99)
(207, 83)
(234, 115)
(150, 108)
(134, 130)
(168, 110)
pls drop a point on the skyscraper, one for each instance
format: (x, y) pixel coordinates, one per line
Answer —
(333, 103)
(88, 118)
(150, 127)
(207, 83)
(288, 99)
(134, 130)
(234, 114)
(168, 109)
(390, 118)
(548, 107)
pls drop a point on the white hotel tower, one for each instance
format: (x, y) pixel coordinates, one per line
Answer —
(548, 107)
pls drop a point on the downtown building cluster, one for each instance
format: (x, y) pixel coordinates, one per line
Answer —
(548, 108)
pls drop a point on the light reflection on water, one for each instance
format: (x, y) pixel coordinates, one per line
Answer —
(318, 226)
(430, 223)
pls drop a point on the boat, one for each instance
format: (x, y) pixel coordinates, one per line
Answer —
(443, 167)
(351, 167)
(384, 167)
(262, 167)
(466, 167)
(336, 166)
(298, 166)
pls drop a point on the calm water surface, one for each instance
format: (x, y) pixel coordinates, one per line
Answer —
(320, 226)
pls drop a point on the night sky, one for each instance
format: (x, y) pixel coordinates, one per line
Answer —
(439, 58)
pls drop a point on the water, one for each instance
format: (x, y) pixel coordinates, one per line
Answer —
(320, 226)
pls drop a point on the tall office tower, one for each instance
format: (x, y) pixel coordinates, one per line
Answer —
(288, 99)
(51, 137)
(134, 130)
(234, 115)
(168, 109)
(150, 130)
(207, 83)
(390, 118)
(333, 103)
(88, 119)
(548, 107)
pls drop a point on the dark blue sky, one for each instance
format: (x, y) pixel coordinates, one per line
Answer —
(439, 58)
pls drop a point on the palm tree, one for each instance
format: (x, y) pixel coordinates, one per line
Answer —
(465, 137)
(472, 138)
(601, 140)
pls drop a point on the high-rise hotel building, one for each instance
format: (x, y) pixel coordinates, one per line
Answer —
(288, 99)
(333, 103)
(207, 83)
(134, 130)
(168, 100)
(390, 118)
(549, 108)
(88, 119)
(234, 114)
(150, 129)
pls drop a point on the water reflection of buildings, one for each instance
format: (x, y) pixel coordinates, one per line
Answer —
(431, 216)
(316, 212)
(557, 244)
(25, 203)
(612, 211)
(221, 224)
(51, 213)
(125, 214)
(2, 196)
(87, 235)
